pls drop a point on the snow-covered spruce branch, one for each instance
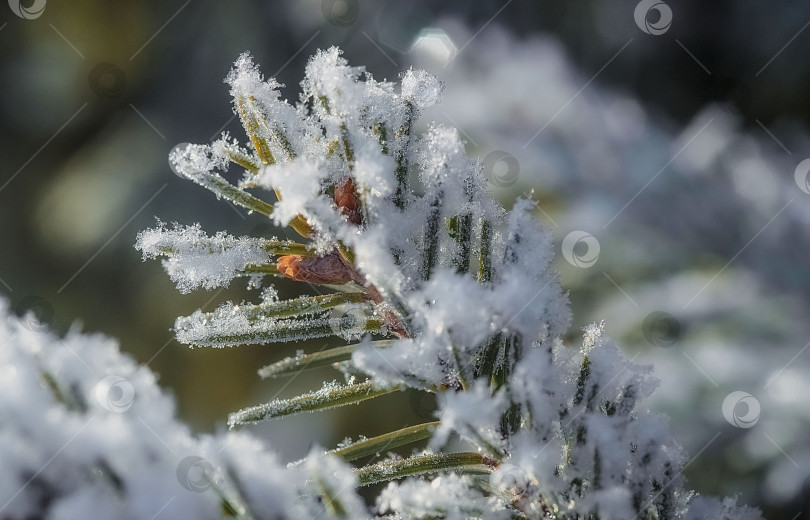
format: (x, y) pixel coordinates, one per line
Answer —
(457, 292)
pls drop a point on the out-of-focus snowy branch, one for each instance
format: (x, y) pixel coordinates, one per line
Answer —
(87, 433)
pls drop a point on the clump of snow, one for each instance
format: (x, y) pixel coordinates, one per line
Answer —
(420, 88)
(300, 186)
(196, 160)
(471, 414)
(451, 496)
(246, 80)
(727, 509)
(195, 259)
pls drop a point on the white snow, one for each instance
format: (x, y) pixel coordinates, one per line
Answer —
(195, 259)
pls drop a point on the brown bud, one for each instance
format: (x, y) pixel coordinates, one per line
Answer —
(329, 269)
(347, 200)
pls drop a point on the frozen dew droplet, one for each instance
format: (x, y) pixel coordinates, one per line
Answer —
(174, 156)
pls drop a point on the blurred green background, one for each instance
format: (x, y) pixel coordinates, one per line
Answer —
(95, 95)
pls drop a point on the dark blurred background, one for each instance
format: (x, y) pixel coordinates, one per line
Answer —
(588, 100)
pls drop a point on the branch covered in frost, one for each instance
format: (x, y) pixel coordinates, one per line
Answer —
(194, 259)
(435, 287)
(332, 395)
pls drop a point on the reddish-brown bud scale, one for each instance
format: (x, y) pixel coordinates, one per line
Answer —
(347, 200)
(329, 269)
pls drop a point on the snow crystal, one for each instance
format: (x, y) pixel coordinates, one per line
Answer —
(702, 508)
(196, 161)
(452, 496)
(375, 171)
(198, 260)
(246, 80)
(592, 336)
(420, 88)
(471, 414)
(300, 186)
